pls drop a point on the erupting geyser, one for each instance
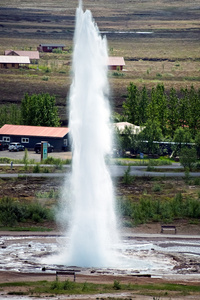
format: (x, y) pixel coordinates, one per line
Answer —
(93, 225)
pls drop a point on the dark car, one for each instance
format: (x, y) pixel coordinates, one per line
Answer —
(37, 148)
(15, 146)
(3, 145)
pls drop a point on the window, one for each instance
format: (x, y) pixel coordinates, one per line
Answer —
(65, 142)
(24, 140)
(6, 139)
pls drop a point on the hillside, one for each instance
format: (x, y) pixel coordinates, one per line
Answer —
(160, 41)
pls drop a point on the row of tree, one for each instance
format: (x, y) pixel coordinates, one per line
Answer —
(151, 141)
(173, 117)
(168, 111)
(35, 110)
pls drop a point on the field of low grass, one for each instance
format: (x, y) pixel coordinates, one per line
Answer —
(67, 287)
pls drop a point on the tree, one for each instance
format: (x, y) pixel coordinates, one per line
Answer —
(9, 114)
(172, 114)
(151, 133)
(184, 108)
(116, 117)
(142, 107)
(188, 157)
(152, 109)
(161, 100)
(182, 137)
(39, 110)
(131, 105)
(194, 111)
(197, 144)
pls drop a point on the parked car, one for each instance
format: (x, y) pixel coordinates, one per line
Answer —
(16, 147)
(37, 148)
(3, 145)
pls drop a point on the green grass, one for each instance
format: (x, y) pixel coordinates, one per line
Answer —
(74, 288)
(138, 162)
(50, 194)
(31, 229)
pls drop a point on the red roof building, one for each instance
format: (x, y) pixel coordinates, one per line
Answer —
(115, 62)
(30, 135)
(49, 47)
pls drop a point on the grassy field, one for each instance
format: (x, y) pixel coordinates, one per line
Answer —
(115, 290)
(168, 53)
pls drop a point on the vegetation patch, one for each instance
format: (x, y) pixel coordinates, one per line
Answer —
(150, 209)
(13, 212)
(73, 288)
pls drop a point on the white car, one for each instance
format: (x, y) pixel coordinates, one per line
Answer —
(16, 147)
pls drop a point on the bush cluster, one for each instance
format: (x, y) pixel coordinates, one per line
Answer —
(12, 212)
(149, 210)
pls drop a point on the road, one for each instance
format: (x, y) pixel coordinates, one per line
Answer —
(34, 156)
(115, 170)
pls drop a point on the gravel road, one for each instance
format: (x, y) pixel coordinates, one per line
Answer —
(32, 155)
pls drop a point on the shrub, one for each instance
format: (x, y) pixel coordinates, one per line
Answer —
(12, 212)
(155, 210)
(37, 212)
(8, 212)
(5, 160)
(55, 285)
(188, 157)
(117, 74)
(128, 179)
(150, 168)
(156, 188)
(58, 50)
(36, 169)
(196, 181)
(25, 159)
(116, 285)
(45, 78)
(68, 285)
(54, 161)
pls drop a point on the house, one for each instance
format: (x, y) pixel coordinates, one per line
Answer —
(13, 62)
(134, 128)
(49, 47)
(33, 55)
(115, 63)
(30, 135)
